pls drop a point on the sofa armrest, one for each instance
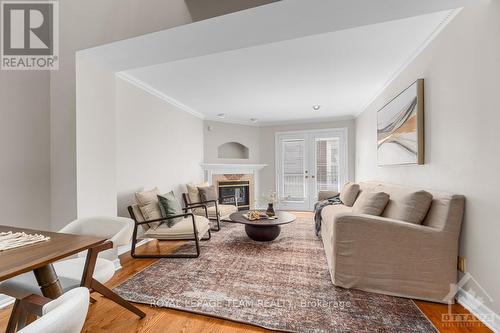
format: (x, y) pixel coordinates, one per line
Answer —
(392, 256)
(323, 195)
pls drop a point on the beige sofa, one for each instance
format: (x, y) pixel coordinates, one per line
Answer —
(383, 255)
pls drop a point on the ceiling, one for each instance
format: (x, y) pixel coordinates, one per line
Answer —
(274, 62)
(340, 71)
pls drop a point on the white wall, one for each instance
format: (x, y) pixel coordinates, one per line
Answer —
(25, 149)
(267, 176)
(84, 25)
(224, 132)
(157, 145)
(95, 139)
(89, 24)
(461, 69)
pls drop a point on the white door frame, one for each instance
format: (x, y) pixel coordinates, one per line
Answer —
(310, 155)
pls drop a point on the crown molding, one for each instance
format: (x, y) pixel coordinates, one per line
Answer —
(155, 92)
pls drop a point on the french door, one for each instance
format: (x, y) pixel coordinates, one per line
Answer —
(308, 162)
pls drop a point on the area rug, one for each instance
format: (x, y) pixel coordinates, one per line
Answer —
(281, 285)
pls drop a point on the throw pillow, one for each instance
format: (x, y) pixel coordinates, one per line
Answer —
(349, 194)
(145, 197)
(372, 203)
(193, 193)
(170, 206)
(413, 207)
(151, 211)
(148, 204)
(208, 193)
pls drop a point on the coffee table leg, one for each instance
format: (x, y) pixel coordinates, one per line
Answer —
(48, 281)
(262, 233)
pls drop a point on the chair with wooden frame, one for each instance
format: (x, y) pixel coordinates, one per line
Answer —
(87, 270)
(190, 228)
(215, 211)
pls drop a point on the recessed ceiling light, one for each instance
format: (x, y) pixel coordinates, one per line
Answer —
(254, 120)
(316, 107)
(221, 115)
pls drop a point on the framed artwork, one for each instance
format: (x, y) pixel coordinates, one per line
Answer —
(400, 128)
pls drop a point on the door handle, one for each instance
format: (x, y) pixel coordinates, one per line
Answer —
(313, 176)
(305, 176)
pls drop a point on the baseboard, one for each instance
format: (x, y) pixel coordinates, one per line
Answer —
(479, 310)
(7, 300)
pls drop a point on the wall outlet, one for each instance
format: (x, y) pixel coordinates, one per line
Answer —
(461, 264)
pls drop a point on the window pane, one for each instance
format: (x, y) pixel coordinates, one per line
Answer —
(327, 164)
(293, 170)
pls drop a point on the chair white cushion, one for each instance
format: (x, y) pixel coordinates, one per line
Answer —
(65, 314)
(69, 272)
(72, 269)
(224, 211)
(181, 230)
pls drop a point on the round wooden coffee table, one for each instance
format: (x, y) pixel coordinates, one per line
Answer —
(263, 230)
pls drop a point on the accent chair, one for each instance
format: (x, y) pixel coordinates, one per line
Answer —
(217, 212)
(190, 227)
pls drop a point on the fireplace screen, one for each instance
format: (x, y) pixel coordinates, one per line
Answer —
(238, 189)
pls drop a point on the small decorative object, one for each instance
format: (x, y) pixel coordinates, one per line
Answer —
(270, 209)
(400, 128)
(271, 198)
(255, 215)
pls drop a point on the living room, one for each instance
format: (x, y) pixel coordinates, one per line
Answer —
(319, 166)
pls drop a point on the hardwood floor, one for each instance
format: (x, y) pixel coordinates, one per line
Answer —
(106, 316)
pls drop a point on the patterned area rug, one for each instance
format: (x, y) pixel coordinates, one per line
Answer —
(282, 285)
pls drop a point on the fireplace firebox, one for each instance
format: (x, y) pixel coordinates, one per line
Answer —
(237, 188)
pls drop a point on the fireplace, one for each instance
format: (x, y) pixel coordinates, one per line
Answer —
(237, 188)
(238, 179)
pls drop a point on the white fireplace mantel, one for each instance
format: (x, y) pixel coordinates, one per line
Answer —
(226, 168)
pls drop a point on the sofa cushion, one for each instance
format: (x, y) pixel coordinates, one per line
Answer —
(170, 206)
(445, 212)
(412, 207)
(328, 212)
(349, 193)
(372, 203)
(193, 193)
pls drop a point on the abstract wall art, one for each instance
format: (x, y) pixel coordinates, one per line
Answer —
(400, 128)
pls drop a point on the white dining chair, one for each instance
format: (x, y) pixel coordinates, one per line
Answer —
(71, 271)
(117, 229)
(65, 314)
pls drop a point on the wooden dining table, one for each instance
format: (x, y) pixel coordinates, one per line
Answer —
(39, 257)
